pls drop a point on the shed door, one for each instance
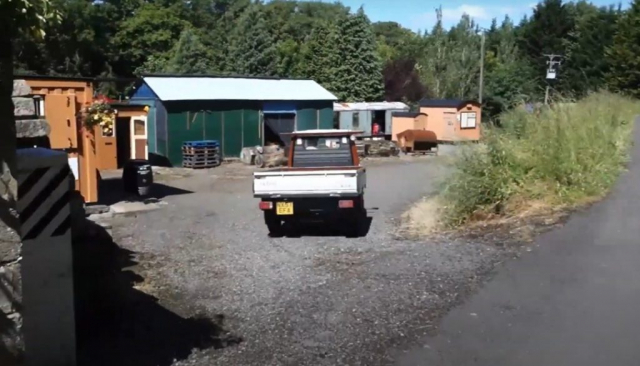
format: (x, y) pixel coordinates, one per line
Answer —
(60, 112)
(449, 126)
(275, 124)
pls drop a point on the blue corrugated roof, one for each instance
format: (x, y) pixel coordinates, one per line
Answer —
(174, 88)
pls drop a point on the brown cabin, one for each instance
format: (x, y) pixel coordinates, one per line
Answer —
(128, 139)
(61, 101)
(453, 120)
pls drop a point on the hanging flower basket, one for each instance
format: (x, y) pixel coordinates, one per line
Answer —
(100, 113)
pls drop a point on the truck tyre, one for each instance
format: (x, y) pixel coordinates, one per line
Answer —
(356, 223)
(274, 224)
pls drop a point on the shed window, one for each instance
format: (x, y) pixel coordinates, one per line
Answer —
(356, 120)
(38, 102)
(468, 120)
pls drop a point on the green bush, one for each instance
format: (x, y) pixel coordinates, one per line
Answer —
(564, 155)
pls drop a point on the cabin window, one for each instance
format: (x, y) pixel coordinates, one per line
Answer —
(468, 120)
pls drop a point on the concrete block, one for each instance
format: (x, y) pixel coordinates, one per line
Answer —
(96, 209)
(133, 207)
(32, 128)
(23, 106)
(20, 88)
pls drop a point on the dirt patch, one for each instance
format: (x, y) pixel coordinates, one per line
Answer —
(424, 220)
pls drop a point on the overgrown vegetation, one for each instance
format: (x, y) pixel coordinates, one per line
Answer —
(562, 156)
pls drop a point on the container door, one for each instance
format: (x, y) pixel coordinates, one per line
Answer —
(139, 131)
(449, 126)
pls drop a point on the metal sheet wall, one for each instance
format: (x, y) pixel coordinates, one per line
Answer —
(213, 126)
(251, 129)
(346, 120)
(307, 119)
(232, 133)
(325, 120)
(235, 124)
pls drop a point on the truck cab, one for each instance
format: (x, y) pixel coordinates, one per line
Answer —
(322, 182)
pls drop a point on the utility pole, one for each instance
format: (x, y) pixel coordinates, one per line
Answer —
(481, 82)
(553, 61)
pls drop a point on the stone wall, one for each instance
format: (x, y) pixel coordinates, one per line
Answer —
(28, 125)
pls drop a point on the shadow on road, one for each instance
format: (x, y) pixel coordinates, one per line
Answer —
(311, 229)
(117, 324)
(112, 191)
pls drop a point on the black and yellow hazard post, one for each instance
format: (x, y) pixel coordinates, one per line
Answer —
(44, 190)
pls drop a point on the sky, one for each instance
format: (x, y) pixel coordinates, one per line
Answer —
(421, 14)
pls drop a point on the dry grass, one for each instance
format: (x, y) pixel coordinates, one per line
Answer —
(423, 218)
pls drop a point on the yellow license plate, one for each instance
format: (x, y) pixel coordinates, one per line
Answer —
(284, 208)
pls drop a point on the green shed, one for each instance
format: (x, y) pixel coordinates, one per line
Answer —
(237, 111)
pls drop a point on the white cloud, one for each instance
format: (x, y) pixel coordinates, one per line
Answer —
(481, 14)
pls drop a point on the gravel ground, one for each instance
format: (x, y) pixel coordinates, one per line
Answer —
(314, 300)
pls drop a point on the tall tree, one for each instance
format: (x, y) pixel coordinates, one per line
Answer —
(153, 30)
(623, 56)
(321, 57)
(189, 55)
(585, 63)
(402, 82)
(434, 59)
(252, 51)
(360, 71)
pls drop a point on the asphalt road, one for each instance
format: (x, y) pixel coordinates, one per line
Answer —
(320, 299)
(573, 300)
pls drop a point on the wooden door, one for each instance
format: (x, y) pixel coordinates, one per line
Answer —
(60, 112)
(106, 148)
(449, 126)
(139, 148)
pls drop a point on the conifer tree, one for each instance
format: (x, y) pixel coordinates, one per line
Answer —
(252, 51)
(321, 56)
(189, 55)
(360, 70)
(624, 53)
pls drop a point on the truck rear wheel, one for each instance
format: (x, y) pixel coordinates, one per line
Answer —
(356, 223)
(274, 224)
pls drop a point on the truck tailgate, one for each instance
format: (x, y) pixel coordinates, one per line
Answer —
(347, 182)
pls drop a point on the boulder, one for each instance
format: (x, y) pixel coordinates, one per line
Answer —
(23, 106)
(21, 88)
(29, 128)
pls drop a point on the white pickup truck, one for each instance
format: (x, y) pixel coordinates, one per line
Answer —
(322, 182)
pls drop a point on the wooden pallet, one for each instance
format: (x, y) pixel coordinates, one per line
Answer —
(200, 150)
(200, 156)
(203, 143)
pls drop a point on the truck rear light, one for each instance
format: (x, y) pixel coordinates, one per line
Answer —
(266, 205)
(345, 203)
